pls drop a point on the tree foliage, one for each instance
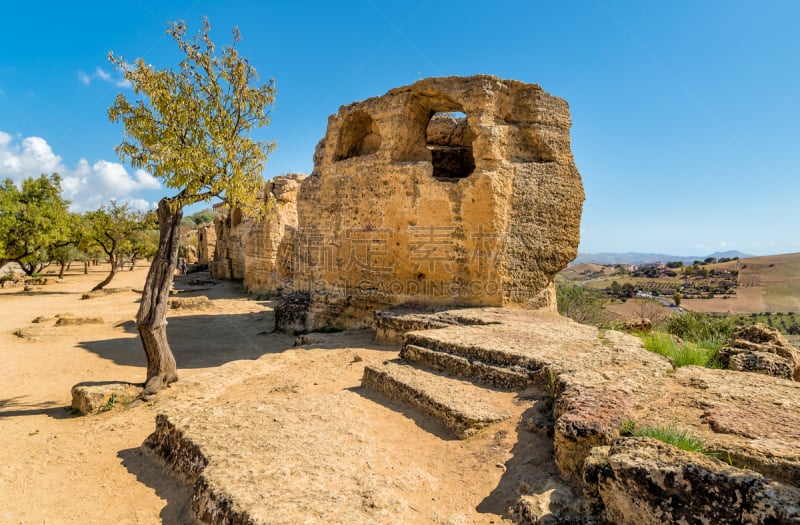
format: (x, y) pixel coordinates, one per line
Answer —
(34, 219)
(190, 128)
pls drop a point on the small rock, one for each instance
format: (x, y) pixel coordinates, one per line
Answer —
(637, 325)
(72, 320)
(200, 301)
(93, 397)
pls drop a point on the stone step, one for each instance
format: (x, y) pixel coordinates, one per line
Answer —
(510, 377)
(390, 326)
(506, 357)
(460, 406)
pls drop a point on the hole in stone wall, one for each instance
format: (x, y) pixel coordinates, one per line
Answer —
(449, 140)
(358, 136)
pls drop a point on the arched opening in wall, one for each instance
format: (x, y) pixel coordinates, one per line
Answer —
(449, 139)
(358, 136)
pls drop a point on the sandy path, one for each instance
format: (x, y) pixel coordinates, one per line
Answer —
(59, 468)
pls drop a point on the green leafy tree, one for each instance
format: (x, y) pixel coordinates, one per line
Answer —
(144, 243)
(191, 129)
(115, 229)
(33, 221)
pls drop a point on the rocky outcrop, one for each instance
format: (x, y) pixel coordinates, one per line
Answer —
(640, 324)
(761, 349)
(644, 481)
(256, 252)
(450, 191)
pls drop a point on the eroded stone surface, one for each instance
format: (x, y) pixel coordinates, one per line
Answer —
(600, 381)
(410, 201)
(596, 381)
(648, 482)
(206, 243)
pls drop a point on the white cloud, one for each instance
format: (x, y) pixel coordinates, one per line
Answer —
(118, 79)
(102, 74)
(30, 155)
(139, 204)
(87, 185)
(146, 181)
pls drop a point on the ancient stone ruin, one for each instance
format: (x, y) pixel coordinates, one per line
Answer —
(450, 191)
(430, 210)
(255, 251)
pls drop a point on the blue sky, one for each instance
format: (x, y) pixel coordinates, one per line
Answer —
(685, 113)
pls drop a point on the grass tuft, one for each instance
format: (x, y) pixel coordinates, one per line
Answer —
(681, 439)
(682, 354)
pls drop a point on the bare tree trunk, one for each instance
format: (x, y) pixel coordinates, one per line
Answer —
(133, 262)
(151, 320)
(61, 271)
(69, 265)
(108, 278)
(86, 267)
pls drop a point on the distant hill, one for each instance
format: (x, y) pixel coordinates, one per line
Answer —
(647, 258)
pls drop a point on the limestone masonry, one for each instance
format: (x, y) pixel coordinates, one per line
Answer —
(450, 191)
(252, 251)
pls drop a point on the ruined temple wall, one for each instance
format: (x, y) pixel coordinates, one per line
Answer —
(384, 220)
(248, 249)
(228, 262)
(264, 259)
(206, 243)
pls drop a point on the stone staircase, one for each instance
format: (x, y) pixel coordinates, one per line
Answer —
(464, 387)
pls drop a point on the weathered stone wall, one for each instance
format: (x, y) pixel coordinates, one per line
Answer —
(264, 245)
(228, 262)
(206, 243)
(254, 251)
(408, 203)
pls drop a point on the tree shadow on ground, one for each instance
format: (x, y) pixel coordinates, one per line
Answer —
(168, 487)
(201, 340)
(14, 407)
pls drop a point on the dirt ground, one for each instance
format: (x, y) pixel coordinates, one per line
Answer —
(57, 467)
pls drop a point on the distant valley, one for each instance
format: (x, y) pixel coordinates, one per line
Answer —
(650, 258)
(725, 282)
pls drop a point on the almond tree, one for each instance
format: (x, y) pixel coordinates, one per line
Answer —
(34, 220)
(190, 127)
(115, 230)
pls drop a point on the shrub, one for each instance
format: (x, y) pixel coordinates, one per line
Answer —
(582, 304)
(704, 329)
